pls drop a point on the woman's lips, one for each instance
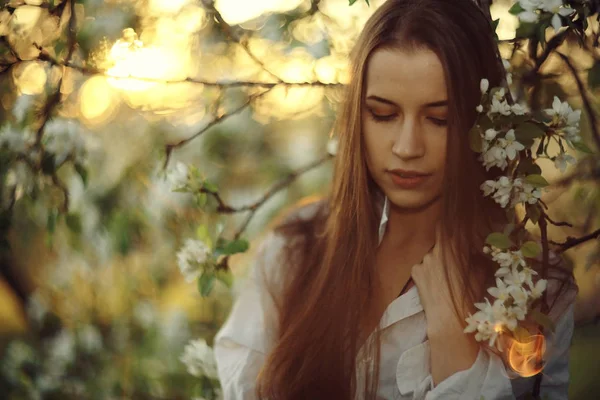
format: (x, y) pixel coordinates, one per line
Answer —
(409, 182)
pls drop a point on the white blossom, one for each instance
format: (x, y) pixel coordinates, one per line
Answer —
(484, 85)
(479, 108)
(500, 107)
(37, 307)
(22, 106)
(179, 176)
(518, 109)
(490, 134)
(90, 338)
(12, 138)
(145, 314)
(199, 359)
(565, 118)
(61, 350)
(538, 289)
(562, 160)
(488, 187)
(62, 138)
(510, 144)
(528, 194)
(501, 291)
(494, 157)
(191, 257)
(556, 8)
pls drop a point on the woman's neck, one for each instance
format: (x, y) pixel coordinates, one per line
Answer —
(410, 228)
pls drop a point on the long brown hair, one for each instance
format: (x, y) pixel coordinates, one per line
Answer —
(325, 305)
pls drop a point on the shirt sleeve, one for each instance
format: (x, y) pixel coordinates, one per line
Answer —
(488, 378)
(248, 334)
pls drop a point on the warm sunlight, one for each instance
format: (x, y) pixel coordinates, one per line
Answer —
(235, 12)
(97, 100)
(525, 358)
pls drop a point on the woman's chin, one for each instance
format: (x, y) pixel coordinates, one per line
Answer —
(411, 201)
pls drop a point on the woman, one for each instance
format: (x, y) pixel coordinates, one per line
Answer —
(321, 316)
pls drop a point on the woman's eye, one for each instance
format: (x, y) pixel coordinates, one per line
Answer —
(439, 121)
(382, 118)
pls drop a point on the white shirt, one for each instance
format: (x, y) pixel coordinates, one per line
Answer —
(247, 336)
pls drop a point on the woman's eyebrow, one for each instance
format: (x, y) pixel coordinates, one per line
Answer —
(435, 104)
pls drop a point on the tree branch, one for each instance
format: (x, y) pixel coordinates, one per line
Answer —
(584, 97)
(170, 147)
(92, 71)
(209, 5)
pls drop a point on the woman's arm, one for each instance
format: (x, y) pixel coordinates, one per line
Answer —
(248, 334)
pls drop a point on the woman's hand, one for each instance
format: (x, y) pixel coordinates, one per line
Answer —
(433, 285)
(451, 349)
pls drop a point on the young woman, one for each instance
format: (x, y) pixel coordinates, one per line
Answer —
(364, 294)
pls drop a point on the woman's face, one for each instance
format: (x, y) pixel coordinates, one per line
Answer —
(405, 110)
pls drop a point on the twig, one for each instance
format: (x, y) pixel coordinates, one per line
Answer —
(253, 208)
(55, 99)
(584, 97)
(543, 224)
(572, 242)
(558, 223)
(552, 45)
(170, 147)
(210, 7)
(92, 71)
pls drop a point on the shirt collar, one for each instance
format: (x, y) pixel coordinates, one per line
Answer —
(385, 211)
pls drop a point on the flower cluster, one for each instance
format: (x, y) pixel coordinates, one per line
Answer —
(565, 120)
(533, 8)
(199, 359)
(498, 148)
(502, 135)
(506, 191)
(192, 257)
(514, 292)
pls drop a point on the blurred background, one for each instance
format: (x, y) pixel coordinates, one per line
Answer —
(101, 101)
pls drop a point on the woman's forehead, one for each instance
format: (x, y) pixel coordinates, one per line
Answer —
(406, 75)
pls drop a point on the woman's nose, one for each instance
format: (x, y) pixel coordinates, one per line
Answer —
(408, 141)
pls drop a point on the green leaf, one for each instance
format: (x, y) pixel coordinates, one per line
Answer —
(530, 249)
(352, 2)
(236, 246)
(536, 180)
(475, 140)
(516, 9)
(201, 199)
(226, 277)
(80, 169)
(203, 234)
(543, 320)
(51, 221)
(527, 132)
(528, 167)
(582, 147)
(525, 30)
(211, 187)
(495, 27)
(594, 75)
(499, 240)
(534, 212)
(206, 283)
